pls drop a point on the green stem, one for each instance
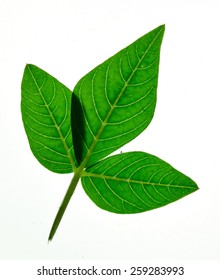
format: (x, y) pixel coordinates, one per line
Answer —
(64, 204)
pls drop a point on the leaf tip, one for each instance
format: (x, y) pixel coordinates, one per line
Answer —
(195, 187)
(29, 65)
(27, 68)
(162, 27)
(159, 30)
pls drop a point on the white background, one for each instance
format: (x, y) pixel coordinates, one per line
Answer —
(68, 38)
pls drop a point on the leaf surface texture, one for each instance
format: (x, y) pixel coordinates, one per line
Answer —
(135, 182)
(117, 99)
(45, 108)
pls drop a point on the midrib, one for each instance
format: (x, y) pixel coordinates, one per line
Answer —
(118, 179)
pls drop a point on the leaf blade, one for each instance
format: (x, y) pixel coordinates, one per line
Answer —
(118, 99)
(135, 182)
(45, 108)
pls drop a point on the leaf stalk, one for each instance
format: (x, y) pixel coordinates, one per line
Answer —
(65, 203)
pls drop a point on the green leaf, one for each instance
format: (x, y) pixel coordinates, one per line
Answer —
(117, 99)
(45, 108)
(110, 106)
(135, 182)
